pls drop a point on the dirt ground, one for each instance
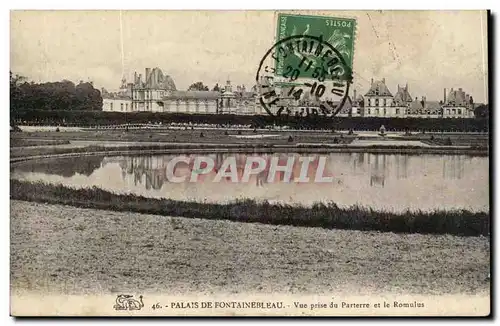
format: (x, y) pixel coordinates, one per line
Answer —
(61, 249)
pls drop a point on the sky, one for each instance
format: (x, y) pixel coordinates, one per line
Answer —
(429, 50)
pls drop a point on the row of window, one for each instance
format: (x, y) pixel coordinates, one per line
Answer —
(454, 111)
(121, 106)
(148, 95)
(377, 111)
(448, 112)
(377, 102)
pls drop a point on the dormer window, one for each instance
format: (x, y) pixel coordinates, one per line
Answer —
(376, 91)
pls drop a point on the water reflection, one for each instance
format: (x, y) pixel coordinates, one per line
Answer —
(395, 182)
(151, 171)
(85, 166)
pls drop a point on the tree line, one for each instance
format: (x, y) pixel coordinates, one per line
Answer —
(62, 95)
(93, 118)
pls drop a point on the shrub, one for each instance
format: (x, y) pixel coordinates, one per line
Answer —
(324, 215)
(93, 118)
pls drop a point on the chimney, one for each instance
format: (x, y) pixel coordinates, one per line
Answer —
(135, 77)
(129, 89)
(148, 72)
(383, 80)
(140, 79)
(372, 82)
(460, 89)
(406, 87)
(444, 95)
(354, 99)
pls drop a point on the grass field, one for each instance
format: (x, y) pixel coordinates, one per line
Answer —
(220, 136)
(62, 249)
(22, 142)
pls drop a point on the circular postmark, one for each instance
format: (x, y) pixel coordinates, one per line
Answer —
(303, 74)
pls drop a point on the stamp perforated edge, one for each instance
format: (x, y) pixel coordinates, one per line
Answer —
(323, 13)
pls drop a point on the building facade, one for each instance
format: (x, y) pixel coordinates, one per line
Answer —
(119, 100)
(158, 93)
(378, 100)
(458, 104)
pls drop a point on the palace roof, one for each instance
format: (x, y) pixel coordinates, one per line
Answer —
(416, 105)
(192, 95)
(116, 96)
(157, 80)
(432, 105)
(378, 88)
(402, 96)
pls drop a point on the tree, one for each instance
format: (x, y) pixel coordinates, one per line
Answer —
(63, 95)
(482, 111)
(198, 86)
(16, 94)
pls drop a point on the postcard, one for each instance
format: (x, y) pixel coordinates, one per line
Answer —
(249, 163)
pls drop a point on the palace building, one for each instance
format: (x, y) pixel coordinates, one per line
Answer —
(157, 93)
(379, 102)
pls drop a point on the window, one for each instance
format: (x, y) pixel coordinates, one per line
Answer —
(385, 103)
(459, 111)
(369, 111)
(385, 110)
(447, 111)
(454, 111)
(397, 111)
(111, 105)
(376, 111)
(126, 107)
(121, 106)
(376, 102)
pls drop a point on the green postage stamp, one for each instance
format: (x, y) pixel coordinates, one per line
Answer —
(337, 31)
